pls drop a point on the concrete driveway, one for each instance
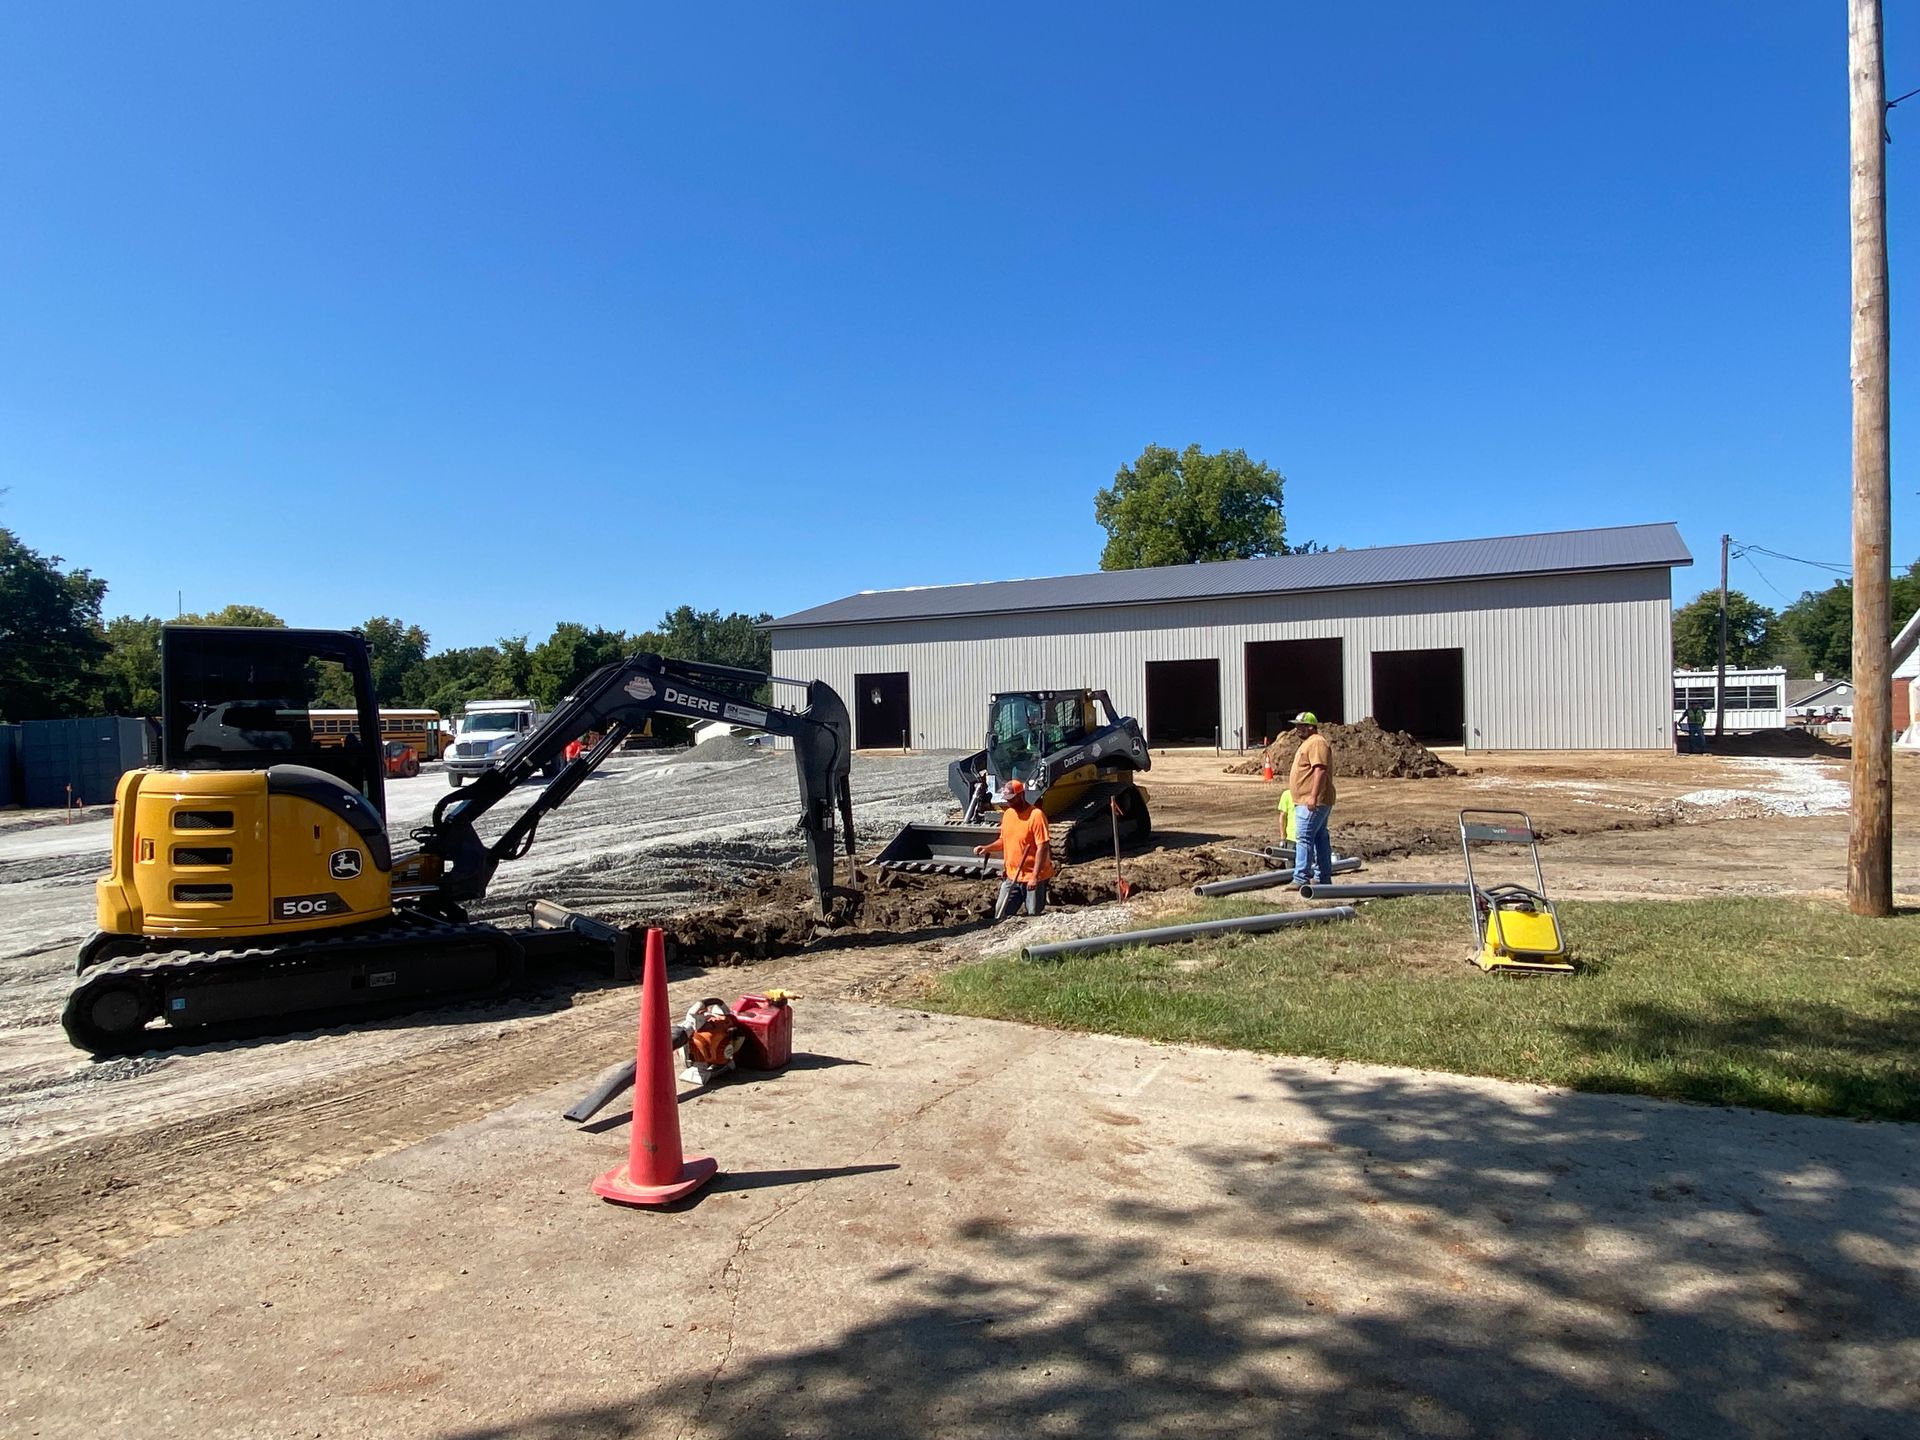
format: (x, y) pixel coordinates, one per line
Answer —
(964, 1228)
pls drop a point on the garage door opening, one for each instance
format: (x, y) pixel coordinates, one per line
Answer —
(1183, 702)
(1423, 692)
(1285, 677)
(882, 712)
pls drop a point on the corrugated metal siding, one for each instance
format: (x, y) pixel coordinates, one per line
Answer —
(89, 756)
(1552, 662)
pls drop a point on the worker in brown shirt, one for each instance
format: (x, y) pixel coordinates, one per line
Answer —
(1311, 782)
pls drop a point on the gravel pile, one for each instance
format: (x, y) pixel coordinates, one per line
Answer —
(723, 747)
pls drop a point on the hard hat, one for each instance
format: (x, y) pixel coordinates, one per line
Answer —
(1306, 717)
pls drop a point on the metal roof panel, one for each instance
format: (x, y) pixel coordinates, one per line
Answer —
(1624, 547)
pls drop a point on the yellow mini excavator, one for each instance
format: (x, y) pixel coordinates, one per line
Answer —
(253, 876)
(1077, 757)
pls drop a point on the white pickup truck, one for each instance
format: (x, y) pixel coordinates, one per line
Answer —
(486, 734)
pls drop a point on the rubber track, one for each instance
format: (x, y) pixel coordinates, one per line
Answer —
(303, 955)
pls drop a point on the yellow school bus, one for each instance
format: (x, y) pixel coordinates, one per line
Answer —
(424, 730)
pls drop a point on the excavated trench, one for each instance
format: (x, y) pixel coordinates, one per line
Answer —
(775, 914)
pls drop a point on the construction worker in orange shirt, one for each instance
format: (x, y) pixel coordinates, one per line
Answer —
(1028, 852)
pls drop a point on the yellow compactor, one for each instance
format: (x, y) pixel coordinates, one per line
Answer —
(1515, 926)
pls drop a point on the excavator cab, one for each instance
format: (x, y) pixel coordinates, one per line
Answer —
(238, 698)
(248, 826)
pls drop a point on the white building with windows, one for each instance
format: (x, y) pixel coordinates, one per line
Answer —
(1756, 699)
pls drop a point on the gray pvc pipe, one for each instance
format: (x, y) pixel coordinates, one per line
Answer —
(1265, 880)
(1378, 892)
(1166, 934)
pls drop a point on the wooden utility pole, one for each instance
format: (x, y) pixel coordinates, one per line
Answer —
(1870, 839)
(1720, 685)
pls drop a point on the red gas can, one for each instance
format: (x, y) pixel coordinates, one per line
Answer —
(769, 1024)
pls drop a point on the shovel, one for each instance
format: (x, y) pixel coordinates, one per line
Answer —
(1120, 885)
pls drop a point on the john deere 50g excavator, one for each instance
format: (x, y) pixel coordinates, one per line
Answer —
(1077, 757)
(253, 876)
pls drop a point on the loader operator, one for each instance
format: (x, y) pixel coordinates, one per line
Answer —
(1028, 851)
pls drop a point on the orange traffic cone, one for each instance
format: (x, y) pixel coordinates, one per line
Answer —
(655, 1173)
(1266, 771)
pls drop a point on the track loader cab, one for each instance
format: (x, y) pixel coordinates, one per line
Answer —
(1026, 729)
(1076, 755)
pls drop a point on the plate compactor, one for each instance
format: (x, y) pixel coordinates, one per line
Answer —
(1516, 927)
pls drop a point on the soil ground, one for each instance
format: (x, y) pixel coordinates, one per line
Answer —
(192, 1146)
(934, 1226)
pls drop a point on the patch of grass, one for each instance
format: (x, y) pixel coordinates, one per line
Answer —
(1780, 1004)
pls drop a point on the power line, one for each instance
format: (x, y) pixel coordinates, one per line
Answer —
(1747, 547)
(1763, 579)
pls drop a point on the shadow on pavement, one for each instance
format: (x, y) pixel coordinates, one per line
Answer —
(1436, 1261)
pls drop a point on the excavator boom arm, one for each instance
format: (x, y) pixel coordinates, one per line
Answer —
(617, 699)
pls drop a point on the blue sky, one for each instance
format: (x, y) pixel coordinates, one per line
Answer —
(487, 316)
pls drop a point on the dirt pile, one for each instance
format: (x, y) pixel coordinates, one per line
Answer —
(1792, 743)
(1362, 748)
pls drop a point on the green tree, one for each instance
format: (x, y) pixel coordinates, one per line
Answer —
(1171, 508)
(396, 653)
(248, 615)
(1696, 632)
(1903, 595)
(512, 675)
(330, 687)
(1817, 631)
(130, 670)
(732, 639)
(446, 681)
(565, 658)
(50, 641)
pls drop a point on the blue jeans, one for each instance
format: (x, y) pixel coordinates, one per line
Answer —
(1312, 846)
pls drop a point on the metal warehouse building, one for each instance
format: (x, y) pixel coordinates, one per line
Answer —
(1524, 642)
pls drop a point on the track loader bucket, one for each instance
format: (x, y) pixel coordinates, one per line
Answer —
(933, 848)
(1084, 832)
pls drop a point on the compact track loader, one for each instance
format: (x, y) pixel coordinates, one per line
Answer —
(1077, 758)
(253, 876)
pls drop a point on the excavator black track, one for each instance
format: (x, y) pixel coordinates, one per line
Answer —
(210, 994)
